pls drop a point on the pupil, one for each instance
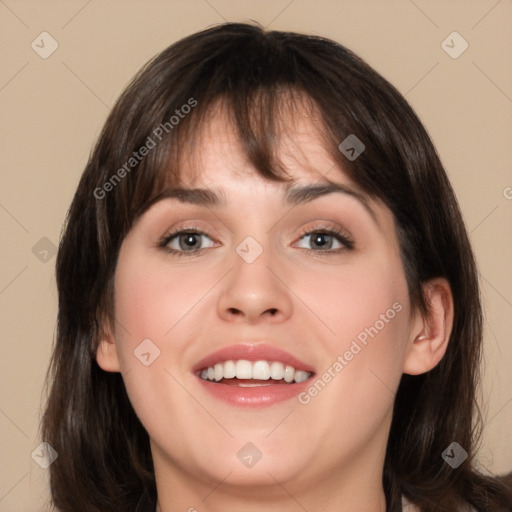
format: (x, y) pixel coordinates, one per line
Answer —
(320, 240)
(189, 239)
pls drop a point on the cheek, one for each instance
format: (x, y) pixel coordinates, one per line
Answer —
(152, 300)
(369, 299)
(366, 317)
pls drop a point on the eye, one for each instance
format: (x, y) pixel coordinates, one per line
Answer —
(186, 241)
(325, 239)
(190, 242)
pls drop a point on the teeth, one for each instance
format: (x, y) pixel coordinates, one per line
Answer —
(218, 371)
(229, 370)
(277, 370)
(243, 369)
(258, 370)
(289, 373)
(301, 376)
(261, 370)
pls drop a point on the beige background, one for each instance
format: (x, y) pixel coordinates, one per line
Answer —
(52, 110)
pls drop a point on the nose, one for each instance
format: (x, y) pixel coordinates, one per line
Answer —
(256, 291)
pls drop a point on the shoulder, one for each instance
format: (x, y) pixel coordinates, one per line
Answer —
(407, 506)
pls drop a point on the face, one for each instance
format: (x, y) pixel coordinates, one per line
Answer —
(305, 293)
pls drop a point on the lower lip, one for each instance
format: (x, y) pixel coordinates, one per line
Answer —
(257, 396)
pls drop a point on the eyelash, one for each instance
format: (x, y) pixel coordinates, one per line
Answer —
(342, 237)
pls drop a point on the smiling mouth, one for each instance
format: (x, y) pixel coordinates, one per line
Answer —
(244, 373)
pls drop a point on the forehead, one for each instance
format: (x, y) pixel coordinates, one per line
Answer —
(295, 147)
(214, 168)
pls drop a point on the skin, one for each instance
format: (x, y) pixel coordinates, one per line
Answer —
(327, 454)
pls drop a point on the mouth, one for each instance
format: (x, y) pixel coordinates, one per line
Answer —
(253, 375)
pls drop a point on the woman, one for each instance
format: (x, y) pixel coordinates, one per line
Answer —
(267, 296)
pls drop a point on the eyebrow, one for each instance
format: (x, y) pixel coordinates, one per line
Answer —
(303, 194)
(294, 195)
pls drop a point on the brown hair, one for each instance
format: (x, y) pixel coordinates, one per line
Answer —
(104, 461)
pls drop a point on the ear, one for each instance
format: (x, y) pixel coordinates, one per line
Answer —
(430, 333)
(106, 352)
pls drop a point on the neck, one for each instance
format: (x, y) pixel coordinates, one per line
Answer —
(277, 499)
(288, 503)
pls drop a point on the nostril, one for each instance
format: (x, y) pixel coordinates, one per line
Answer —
(237, 312)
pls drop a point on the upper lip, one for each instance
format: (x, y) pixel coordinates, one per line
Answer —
(251, 352)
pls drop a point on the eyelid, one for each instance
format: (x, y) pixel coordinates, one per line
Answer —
(342, 234)
(190, 226)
